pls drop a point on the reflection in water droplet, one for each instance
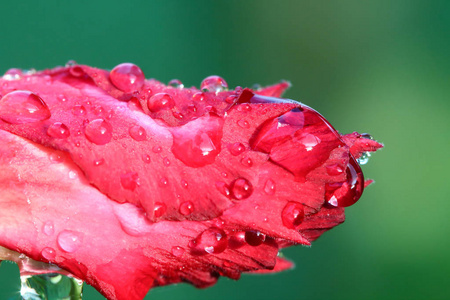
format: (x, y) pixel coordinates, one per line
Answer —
(98, 132)
(293, 214)
(254, 237)
(160, 101)
(212, 241)
(241, 188)
(186, 208)
(69, 241)
(58, 130)
(214, 84)
(127, 77)
(20, 107)
(138, 133)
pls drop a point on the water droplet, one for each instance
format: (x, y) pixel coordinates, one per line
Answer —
(98, 132)
(166, 162)
(48, 228)
(61, 98)
(13, 74)
(73, 174)
(138, 133)
(159, 209)
(129, 180)
(237, 148)
(343, 194)
(127, 77)
(198, 142)
(186, 208)
(163, 182)
(160, 102)
(98, 110)
(69, 241)
(270, 187)
(70, 63)
(146, 158)
(56, 157)
(213, 240)
(48, 253)
(198, 97)
(177, 251)
(214, 84)
(247, 161)
(335, 169)
(184, 184)
(76, 71)
(243, 123)
(223, 188)
(58, 130)
(175, 83)
(309, 141)
(99, 162)
(293, 214)
(364, 158)
(241, 188)
(244, 107)
(19, 107)
(254, 237)
(156, 149)
(78, 110)
(230, 99)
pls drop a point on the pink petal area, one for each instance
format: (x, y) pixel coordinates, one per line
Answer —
(113, 247)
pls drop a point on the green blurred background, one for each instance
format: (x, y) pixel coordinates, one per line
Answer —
(378, 66)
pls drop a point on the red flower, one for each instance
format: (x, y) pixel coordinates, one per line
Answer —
(128, 183)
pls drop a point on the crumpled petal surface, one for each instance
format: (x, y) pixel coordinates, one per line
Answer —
(129, 185)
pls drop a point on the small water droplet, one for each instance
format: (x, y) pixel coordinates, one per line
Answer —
(223, 188)
(69, 241)
(48, 228)
(175, 83)
(58, 130)
(230, 99)
(160, 102)
(198, 97)
(159, 209)
(99, 162)
(78, 110)
(98, 132)
(343, 194)
(244, 107)
(254, 237)
(70, 63)
(270, 187)
(20, 107)
(48, 253)
(237, 148)
(241, 188)
(127, 77)
(156, 149)
(146, 158)
(243, 123)
(56, 157)
(247, 161)
(76, 71)
(214, 84)
(13, 74)
(364, 158)
(186, 208)
(138, 133)
(184, 184)
(129, 180)
(292, 215)
(73, 174)
(163, 182)
(177, 251)
(213, 241)
(166, 162)
(61, 98)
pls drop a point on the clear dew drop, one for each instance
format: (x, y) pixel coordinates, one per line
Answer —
(270, 187)
(178, 251)
(129, 180)
(241, 189)
(146, 158)
(70, 241)
(98, 132)
(198, 97)
(214, 84)
(20, 107)
(184, 184)
(157, 149)
(159, 209)
(56, 157)
(48, 228)
(58, 130)
(223, 188)
(247, 162)
(166, 162)
(127, 77)
(160, 101)
(186, 208)
(79, 110)
(243, 123)
(48, 253)
(212, 241)
(364, 158)
(236, 148)
(254, 237)
(293, 214)
(138, 133)
(175, 83)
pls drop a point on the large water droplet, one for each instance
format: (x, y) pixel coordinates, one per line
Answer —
(236, 148)
(48, 253)
(198, 142)
(160, 102)
(138, 133)
(343, 194)
(270, 187)
(19, 107)
(293, 214)
(58, 130)
(98, 132)
(177, 251)
(186, 208)
(213, 240)
(241, 188)
(254, 237)
(48, 228)
(127, 77)
(129, 180)
(214, 84)
(69, 240)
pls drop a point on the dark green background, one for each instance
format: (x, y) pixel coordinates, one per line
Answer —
(379, 66)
